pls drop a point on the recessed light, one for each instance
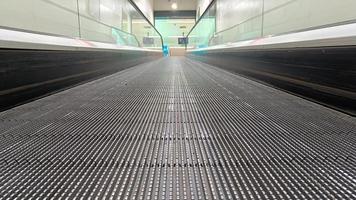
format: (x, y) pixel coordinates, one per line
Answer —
(174, 6)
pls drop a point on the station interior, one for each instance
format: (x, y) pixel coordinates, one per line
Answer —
(177, 99)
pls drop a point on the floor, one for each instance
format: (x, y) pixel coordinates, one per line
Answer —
(176, 129)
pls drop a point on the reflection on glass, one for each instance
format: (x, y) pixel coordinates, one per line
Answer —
(200, 36)
(117, 22)
(229, 21)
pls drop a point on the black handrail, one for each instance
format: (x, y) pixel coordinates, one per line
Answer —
(148, 21)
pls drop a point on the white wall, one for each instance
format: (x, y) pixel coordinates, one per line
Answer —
(230, 13)
(238, 20)
(60, 17)
(281, 16)
(40, 15)
(301, 14)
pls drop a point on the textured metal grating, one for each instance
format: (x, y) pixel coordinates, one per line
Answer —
(176, 129)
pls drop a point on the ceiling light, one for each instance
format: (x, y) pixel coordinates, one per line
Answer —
(174, 6)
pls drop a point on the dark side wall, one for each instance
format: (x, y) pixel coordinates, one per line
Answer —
(29, 74)
(326, 75)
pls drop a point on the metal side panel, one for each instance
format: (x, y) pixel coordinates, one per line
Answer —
(29, 74)
(176, 129)
(325, 75)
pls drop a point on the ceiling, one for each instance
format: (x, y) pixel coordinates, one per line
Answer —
(159, 5)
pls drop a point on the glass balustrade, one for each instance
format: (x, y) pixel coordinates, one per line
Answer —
(231, 21)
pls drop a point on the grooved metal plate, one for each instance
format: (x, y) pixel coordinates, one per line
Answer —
(176, 129)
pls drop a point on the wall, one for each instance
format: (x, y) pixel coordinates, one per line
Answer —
(240, 20)
(177, 51)
(40, 15)
(109, 21)
(280, 16)
(230, 13)
(300, 14)
(172, 29)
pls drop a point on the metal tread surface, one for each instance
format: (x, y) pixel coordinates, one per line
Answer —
(176, 129)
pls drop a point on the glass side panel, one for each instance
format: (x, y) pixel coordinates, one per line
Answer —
(229, 21)
(110, 21)
(116, 21)
(200, 36)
